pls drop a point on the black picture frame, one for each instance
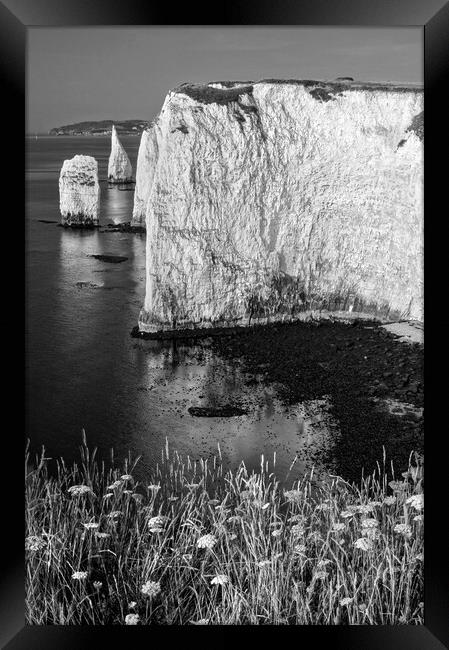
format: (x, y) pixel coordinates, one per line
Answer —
(16, 16)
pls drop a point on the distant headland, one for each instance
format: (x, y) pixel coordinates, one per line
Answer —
(101, 127)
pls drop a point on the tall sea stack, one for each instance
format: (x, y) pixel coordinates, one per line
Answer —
(146, 166)
(79, 192)
(267, 201)
(119, 166)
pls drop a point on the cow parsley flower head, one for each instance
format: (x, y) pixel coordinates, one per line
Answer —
(389, 501)
(132, 619)
(344, 602)
(151, 589)
(34, 543)
(91, 525)
(79, 575)
(403, 529)
(292, 495)
(220, 579)
(364, 544)
(398, 486)
(201, 621)
(298, 530)
(370, 523)
(156, 522)
(206, 541)
(79, 490)
(416, 501)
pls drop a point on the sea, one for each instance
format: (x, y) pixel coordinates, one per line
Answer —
(85, 371)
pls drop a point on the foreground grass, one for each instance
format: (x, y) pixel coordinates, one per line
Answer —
(196, 545)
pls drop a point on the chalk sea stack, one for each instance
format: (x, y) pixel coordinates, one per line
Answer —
(79, 192)
(146, 166)
(119, 166)
(268, 201)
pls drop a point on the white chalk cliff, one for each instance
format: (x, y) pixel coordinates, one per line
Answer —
(265, 201)
(119, 165)
(79, 192)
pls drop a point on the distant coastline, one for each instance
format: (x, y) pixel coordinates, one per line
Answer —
(101, 127)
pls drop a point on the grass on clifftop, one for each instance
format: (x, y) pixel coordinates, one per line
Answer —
(195, 545)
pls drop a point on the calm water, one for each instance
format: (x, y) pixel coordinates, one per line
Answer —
(84, 369)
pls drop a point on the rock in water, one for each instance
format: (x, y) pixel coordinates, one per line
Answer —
(79, 192)
(119, 166)
(146, 166)
(267, 201)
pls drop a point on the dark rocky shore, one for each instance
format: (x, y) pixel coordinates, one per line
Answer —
(358, 366)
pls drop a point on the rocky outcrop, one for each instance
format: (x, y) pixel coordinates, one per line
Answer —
(147, 158)
(119, 166)
(79, 192)
(267, 201)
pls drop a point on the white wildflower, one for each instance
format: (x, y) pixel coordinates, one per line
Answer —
(416, 501)
(156, 522)
(201, 621)
(338, 527)
(220, 579)
(363, 544)
(389, 501)
(344, 602)
(79, 575)
(132, 619)
(398, 486)
(206, 541)
(34, 543)
(292, 495)
(297, 530)
(151, 589)
(78, 490)
(403, 529)
(91, 525)
(370, 523)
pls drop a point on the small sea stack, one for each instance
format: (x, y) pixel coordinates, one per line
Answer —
(79, 192)
(119, 166)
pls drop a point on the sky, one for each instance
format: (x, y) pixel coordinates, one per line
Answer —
(91, 73)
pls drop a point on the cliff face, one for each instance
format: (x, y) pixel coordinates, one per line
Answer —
(264, 201)
(119, 166)
(79, 192)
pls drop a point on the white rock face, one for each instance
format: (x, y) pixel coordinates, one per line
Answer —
(119, 166)
(79, 192)
(272, 200)
(146, 166)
